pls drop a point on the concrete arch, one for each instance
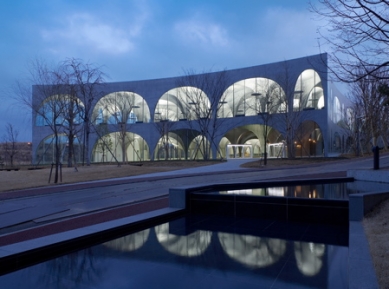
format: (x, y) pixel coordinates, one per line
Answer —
(199, 148)
(45, 151)
(60, 110)
(309, 93)
(121, 107)
(253, 135)
(337, 115)
(309, 140)
(182, 103)
(170, 147)
(251, 96)
(118, 147)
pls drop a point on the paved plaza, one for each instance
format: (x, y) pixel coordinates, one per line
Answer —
(52, 217)
(24, 210)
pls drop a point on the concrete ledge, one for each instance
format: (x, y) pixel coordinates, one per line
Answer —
(23, 254)
(381, 176)
(361, 268)
(361, 204)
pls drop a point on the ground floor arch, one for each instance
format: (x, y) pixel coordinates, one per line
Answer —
(47, 149)
(309, 140)
(170, 147)
(199, 148)
(249, 141)
(182, 144)
(120, 147)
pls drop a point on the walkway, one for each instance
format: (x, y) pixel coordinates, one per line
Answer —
(82, 207)
(108, 197)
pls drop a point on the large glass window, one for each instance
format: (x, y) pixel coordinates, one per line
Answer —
(169, 147)
(62, 110)
(46, 150)
(252, 137)
(309, 140)
(120, 147)
(182, 103)
(337, 110)
(253, 96)
(121, 107)
(308, 91)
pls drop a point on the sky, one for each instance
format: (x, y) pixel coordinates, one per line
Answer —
(147, 39)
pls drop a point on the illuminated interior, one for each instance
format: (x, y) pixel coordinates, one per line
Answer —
(120, 147)
(252, 96)
(121, 107)
(60, 110)
(46, 150)
(182, 103)
(308, 91)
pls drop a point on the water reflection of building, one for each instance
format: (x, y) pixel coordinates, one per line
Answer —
(255, 252)
(338, 191)
(190, 245)
(251, 251)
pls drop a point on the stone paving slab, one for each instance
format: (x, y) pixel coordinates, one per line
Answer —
(29, 214)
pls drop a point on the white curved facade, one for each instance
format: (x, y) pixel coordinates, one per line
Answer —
(171, 118)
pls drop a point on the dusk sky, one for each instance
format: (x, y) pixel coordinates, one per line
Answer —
(148, 39)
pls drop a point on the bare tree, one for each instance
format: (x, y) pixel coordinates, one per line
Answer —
(45, 101)
(120, 107)
(371, 110)
(84, 81)
(203, 97)
(55, 102)
(164, 127)
(358, 36)
(291, 110)
(10, 143)
(267, 100)
(104, 144)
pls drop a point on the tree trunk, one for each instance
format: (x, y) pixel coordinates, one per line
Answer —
(86, 145)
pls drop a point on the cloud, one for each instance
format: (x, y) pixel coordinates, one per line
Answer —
(196, 31)
(281, 28)
(86, 31)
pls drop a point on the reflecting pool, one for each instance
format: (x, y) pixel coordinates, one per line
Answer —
(202, 252)
(330, 191)
(333, 191)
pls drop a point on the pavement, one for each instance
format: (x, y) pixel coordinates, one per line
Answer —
(24, 210)
(36, 213)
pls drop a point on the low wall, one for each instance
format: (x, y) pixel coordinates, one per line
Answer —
(380, 176)
(361, 204)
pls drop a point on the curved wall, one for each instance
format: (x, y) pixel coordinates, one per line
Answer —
(262, 95)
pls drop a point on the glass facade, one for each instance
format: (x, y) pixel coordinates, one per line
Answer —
(60, 110)
(121, 107)
(251, 112)
(252, 96)
(182, 103)
(308, 91)
(46, 150)
(120, 147)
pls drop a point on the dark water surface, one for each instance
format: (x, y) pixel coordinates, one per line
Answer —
(329, 191)
(202, 252)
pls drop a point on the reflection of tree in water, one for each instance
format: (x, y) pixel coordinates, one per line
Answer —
(130, 242)
(189, 246)
(76, 270)
(309, 257)
(254, 252)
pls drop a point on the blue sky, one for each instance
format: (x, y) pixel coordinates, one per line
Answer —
(147, 39)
